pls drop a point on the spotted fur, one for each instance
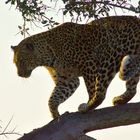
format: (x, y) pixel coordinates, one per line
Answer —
(94, 51)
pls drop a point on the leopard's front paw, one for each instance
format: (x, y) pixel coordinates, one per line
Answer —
(83, 107)
(55, 115)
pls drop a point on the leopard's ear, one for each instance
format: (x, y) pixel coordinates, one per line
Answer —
(30, 46)
(13, 47)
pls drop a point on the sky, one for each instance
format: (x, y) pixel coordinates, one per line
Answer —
(26, 100)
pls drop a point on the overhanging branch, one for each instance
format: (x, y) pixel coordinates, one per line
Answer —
(73, 126)
(130, 8)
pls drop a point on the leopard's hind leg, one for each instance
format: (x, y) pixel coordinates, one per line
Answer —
(130, 72)
(131, 87)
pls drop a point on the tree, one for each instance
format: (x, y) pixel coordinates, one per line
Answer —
(34, 11)
(73, 126)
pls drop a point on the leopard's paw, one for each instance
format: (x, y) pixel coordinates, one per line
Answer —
(83, 107)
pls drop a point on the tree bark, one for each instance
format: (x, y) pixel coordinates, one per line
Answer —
(73, 126)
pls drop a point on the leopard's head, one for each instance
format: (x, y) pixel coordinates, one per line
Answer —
(25, 58)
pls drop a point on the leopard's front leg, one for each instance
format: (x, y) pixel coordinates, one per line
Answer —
(96, 87)
(63, 90)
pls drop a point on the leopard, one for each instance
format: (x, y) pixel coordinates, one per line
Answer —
(96, 51)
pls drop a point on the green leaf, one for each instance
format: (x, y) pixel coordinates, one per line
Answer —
(7, 1)
(44, 21)
(20, 27)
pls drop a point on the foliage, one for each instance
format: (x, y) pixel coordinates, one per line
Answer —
(34, 11)
(96, 8)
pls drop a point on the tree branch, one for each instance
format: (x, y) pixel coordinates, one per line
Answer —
(130, 8)
(73, 126)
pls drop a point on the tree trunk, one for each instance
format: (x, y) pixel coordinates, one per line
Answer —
(73, 126)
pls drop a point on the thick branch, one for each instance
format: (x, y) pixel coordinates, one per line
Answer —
(73, 126)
